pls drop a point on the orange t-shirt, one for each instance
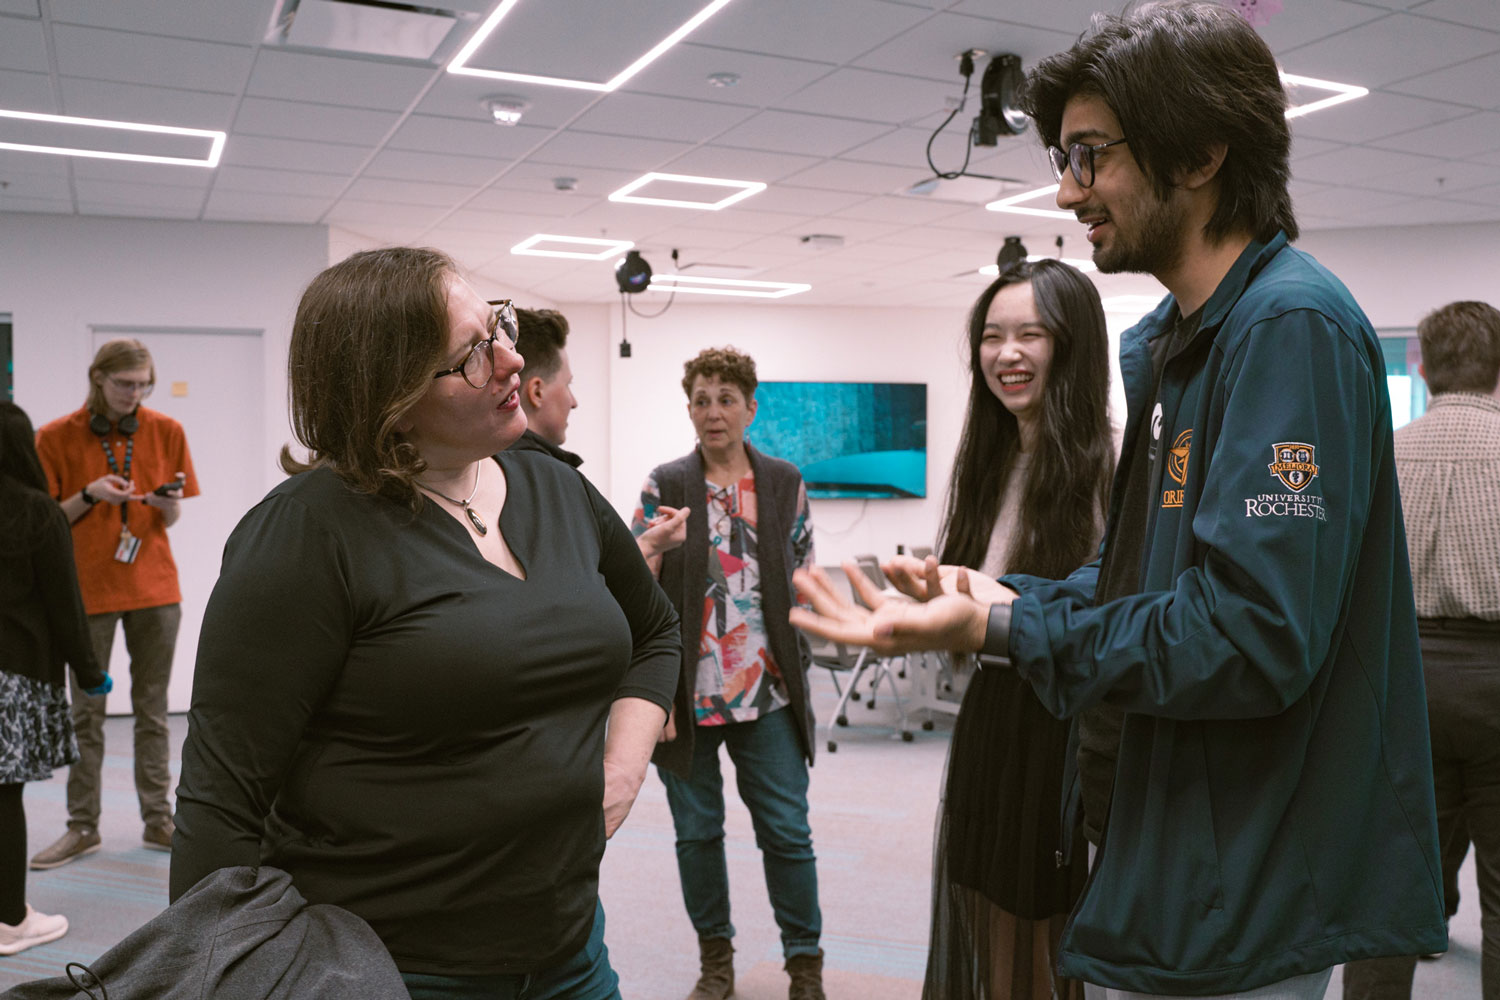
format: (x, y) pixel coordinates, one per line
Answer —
(72, 458)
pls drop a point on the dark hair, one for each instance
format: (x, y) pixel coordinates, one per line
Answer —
(543, 335)
(725, 364)
(369, 333)
(24, 501)
(1461, 347)
(1183, 76)
(1067, 482)
(116, 356)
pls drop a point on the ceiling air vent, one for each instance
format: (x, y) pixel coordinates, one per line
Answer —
(365, 27)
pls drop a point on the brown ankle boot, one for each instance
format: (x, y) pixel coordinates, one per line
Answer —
(716, 956)
(807, 977)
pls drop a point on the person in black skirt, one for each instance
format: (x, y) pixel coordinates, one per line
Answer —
(42, 629)
(1027, 494)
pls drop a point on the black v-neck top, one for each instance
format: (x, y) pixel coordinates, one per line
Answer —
(410, 731)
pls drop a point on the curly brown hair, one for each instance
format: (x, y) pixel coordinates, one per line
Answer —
(723, 363)
(369, 333)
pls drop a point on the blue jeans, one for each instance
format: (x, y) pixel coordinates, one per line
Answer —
(772, 778)
(585, 976)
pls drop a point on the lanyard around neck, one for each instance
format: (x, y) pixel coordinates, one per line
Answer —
(109, 454)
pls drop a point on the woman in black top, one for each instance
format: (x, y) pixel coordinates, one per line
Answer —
(407, 664)
(42, 628)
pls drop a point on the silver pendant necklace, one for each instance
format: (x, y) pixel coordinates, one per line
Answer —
(473, 515)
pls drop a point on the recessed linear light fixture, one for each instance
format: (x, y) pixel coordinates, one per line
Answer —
(459, 63)
(1013, 204)
(32, 132)
(1081, 263)
(530, 247)
(725, 286)
(743, 190)
(1341, 92)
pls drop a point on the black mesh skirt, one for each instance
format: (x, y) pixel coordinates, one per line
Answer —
(36, 730)
(1000, 895)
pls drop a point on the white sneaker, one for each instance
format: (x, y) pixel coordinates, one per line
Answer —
(37, 928)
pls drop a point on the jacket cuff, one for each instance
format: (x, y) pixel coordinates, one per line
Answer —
(996, 649)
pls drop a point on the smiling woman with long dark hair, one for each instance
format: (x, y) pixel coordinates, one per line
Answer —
(1027, 495)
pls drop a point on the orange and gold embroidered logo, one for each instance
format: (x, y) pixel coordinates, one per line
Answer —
(1177, 464)
(1293, 464)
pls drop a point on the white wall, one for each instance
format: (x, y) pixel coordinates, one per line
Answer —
(60, 275)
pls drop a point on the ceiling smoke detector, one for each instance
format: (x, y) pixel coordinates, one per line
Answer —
(505, 110)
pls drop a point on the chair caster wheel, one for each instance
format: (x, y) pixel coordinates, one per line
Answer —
(833, 747)
(927, 726)
(855, 696)
(906, 736)
(842, 720)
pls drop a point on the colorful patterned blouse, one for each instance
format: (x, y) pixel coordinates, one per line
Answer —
(738, 680)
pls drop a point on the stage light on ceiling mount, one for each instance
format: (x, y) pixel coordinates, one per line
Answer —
(742, 190)
(1012, 251)
(506, 110)
(460, 62)
(136, 142)
(535, 246)
(632, 273)
(1012, 204)
(998, 112)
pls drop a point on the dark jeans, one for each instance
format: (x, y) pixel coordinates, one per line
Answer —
(772, 778)
(585, 976)
(151, 639)
(1461, 661)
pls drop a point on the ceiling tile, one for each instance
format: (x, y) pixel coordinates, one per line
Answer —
(454, 96)
(23, 45)
(800, 201)
(153, 60)
(931, 49)
(318, 157)
(357, 83)
(316, 122)
(146, 211)
(246, 206)
(700, 241)
(763, 80)
(911, 211)
(1472, 82)
(14, 161)
(1067, 16)
(1374, 117)
(17, 185)
(869, 95)
(154, 174)
(22, 8)
(1484, 196)
(515, 224)
(374, 214)
(1467, 136)
(653, 117)
(786, 132)
(1298, 24)
(1474, 13)
(547, 204)
(26, 92)
(1354, 164)
(249, 180)
(1430, 211)
(828, 32)
(122, 193)
(50, 206)
(442, 168)
(588, 149)
(384, 191)
(240, 22)
(1304, 146)
(539, 177)
(1441, 178)
(843, 175)
(1390, 48)
(152, 105)
(740, 164)
(1348, 202)
(431, 134)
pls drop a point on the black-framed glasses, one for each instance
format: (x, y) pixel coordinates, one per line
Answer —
(1079, 158)
(125, 385)
(479, 363)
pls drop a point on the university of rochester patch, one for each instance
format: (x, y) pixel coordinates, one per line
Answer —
(1294, 466)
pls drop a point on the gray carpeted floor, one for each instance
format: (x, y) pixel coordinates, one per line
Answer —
(872, 811)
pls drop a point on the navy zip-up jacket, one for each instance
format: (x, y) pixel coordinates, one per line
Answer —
(1273, 809)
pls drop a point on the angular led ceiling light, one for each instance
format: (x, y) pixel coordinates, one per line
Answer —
(726, 286)
(742, 190)
(1013, 204)
(1341, 92)
(532, 247)
(1082, 264)
(460, 62)
(103, 139)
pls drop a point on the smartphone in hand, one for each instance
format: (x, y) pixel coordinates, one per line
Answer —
(169, 489)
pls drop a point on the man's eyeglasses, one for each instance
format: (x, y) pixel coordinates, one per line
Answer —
(124, 385)
(1079, 158)
(479, 363)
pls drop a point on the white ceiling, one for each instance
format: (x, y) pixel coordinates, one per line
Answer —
(835, 103)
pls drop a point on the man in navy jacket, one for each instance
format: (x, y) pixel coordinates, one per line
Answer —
(1271, 814)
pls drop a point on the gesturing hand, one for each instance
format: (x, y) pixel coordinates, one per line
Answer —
(664, 532)
(891, 624)
(910, 575)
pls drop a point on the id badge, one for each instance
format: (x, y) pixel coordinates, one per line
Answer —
(129, 545)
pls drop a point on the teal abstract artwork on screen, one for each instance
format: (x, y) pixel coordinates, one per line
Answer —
(849, 439)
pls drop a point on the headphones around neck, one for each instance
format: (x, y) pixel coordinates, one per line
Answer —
(101, 426)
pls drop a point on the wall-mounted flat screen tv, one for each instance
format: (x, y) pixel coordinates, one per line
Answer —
(849, 439)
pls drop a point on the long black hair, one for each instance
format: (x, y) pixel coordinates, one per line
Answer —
(1067, 482)
(24, 502)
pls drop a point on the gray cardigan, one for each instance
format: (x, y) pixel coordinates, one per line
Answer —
(684, 572)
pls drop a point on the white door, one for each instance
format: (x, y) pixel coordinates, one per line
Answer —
(211, 382)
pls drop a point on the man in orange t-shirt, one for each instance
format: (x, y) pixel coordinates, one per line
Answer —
(119, 471)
